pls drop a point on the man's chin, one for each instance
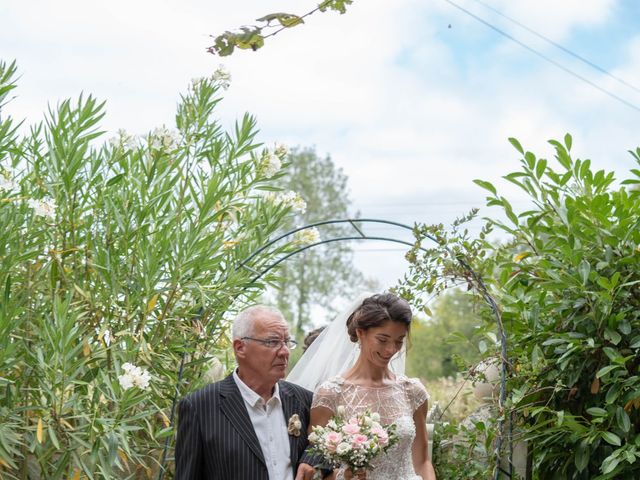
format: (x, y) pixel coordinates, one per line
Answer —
(279, 371)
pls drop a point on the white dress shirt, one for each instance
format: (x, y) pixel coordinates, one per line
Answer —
(271, 429)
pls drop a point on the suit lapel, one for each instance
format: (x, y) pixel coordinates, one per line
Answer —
(290, 406)
(234, 409)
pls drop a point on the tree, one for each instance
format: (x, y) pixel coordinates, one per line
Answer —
(441, 343)
(318, 275)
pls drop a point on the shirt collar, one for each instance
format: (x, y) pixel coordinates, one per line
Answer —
(252, 398)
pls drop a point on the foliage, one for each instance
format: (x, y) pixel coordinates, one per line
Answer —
(568, 284)
(453, 396)
(443, 345)
(316, 276)
(117, 253)
(253, 36)
(464, 451)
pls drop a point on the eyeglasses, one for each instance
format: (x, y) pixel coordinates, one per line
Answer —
(274, 343)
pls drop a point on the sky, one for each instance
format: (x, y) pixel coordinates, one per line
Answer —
(413, 99)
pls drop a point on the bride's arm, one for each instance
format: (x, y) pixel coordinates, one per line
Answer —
(420, 448)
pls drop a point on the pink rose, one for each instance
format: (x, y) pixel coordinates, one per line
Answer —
(358, 441)
(332, 440)
(379, 432)
(351, 429)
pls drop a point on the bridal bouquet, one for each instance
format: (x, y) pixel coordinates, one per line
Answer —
(352, 442)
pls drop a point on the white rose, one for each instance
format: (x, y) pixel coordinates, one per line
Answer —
(343, 448)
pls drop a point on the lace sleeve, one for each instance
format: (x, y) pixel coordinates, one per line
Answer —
(416, 393)
(326, 395)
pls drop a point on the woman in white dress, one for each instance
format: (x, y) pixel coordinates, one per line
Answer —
(379, 325)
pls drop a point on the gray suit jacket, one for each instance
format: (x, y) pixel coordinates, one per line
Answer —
(216, 440)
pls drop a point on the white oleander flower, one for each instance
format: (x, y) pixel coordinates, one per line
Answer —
(123, 140)
(195, 83)
(164, 139)
(295, 201)
(281, 150)
(271, 164)
(43, 208)
(134, 377)
(288, 199)
(307, 236)
(222, 76)
(6, 183)
(126, 381)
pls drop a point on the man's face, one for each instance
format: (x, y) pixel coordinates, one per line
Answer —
(258, 360)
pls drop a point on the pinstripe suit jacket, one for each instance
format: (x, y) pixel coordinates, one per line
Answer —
(216, 439)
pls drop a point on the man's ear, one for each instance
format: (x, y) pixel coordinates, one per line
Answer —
(239, 348)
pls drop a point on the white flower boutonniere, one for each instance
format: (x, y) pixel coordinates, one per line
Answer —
(295, 425)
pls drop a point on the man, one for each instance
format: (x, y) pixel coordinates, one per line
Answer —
(252, 425)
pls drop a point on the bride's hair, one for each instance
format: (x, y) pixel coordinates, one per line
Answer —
(375, 311)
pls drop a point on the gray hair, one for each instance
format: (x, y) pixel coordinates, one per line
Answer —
(243, 323)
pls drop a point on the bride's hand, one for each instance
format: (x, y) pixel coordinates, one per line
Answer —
(358, 474)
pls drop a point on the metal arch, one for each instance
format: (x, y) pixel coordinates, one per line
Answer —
(478, 283)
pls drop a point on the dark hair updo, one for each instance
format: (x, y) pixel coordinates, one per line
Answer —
(376, 310)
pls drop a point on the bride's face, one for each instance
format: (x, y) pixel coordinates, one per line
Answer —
(380, 344)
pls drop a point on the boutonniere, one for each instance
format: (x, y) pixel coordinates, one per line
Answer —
(295, 425)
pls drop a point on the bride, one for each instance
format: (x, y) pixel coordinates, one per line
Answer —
(359, 364)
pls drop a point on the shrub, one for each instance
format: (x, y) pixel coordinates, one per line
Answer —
(567, 280)
(116, 260)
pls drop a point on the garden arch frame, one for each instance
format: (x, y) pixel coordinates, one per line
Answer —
(478, 285)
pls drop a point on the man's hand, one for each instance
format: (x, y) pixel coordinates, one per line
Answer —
(305, 472)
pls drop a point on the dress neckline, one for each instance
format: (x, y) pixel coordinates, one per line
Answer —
(341, 380)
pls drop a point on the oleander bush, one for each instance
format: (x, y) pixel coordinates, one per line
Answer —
(119, 261)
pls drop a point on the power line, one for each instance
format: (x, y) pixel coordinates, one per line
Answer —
(544, 57)
(557, 45)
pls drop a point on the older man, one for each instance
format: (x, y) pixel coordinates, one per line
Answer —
(252, 425)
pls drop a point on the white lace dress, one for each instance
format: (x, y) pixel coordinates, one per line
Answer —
(395, 402)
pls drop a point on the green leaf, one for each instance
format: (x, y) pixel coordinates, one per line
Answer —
(613, 336)
(516, 144)
(540, 168)
(623, 420)
(584, 268)
(568, 141)
(610, 463)
(486, 186)
(609, 368)
(284, 19)
(597, 412)
(581, 458)
(611, 438)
